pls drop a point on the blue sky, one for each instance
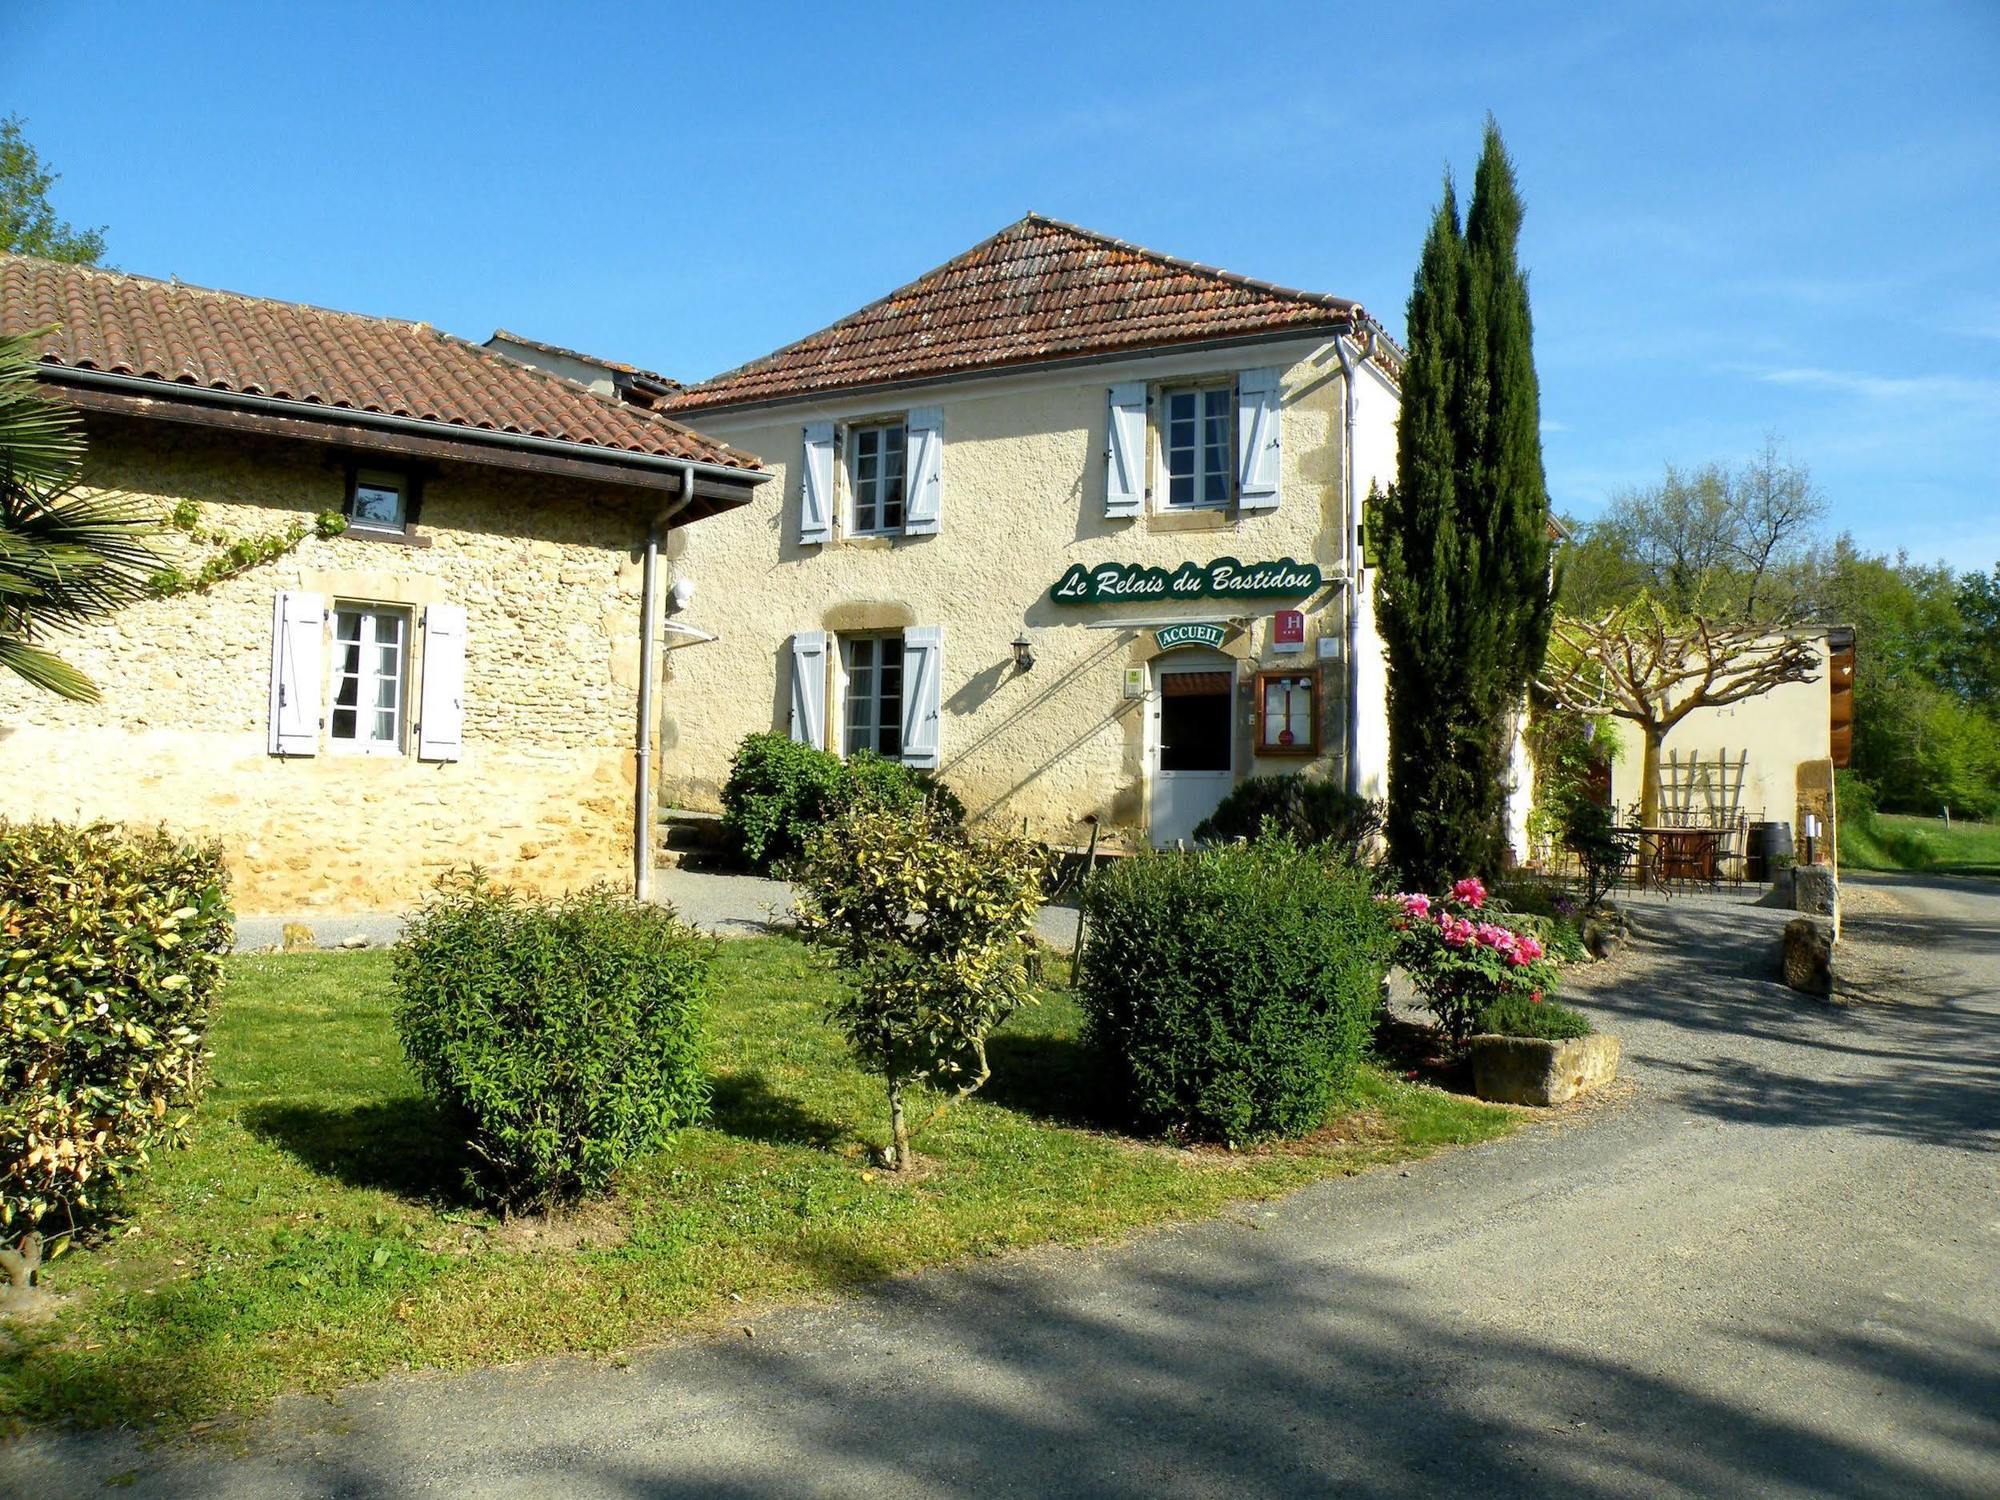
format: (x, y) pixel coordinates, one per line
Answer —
(1742, 219)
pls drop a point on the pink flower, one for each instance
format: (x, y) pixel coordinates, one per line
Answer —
(1456, 931)
(1416, 905)
(1492, 936)
(1471, 890)
(1527, 948)
(1536, 998)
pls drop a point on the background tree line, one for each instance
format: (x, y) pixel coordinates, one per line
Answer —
(1750, 543)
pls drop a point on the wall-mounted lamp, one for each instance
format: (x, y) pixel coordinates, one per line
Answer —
(1024, 652)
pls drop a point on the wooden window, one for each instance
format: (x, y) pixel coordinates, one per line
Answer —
(875, 457)
(371, 648)
(874, 667)
(1288, 713)
(1198, 445)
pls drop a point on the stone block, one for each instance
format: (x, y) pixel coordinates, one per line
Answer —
(1808, 955)
(1604, 930)
(1531, 1070)
(1816, 892)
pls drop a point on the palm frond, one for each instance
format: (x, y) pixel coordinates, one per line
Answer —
(66, 559)
(41, 438)
(45, 670)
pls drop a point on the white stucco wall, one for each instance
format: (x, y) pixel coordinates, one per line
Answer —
(1377, 403)
(1023, 499)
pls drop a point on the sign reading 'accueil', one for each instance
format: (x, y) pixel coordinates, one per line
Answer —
(1194, 633)
(1225, 578)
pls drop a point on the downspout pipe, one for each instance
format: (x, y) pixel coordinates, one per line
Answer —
(649, 599)
(1352, 736)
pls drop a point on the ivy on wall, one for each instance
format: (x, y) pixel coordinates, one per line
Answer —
(233, 555)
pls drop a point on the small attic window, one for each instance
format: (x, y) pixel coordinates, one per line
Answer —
(379, 500)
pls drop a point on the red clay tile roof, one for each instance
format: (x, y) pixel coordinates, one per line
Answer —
(1037, 290)
(223, 341)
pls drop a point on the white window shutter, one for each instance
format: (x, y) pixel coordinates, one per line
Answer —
(441, 706)
(923, 671)
(1257, 439)
(816, 485)
(809, 688)
(923, 470)
(1125, 451)
(297, 622)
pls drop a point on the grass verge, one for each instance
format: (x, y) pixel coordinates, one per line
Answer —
(316, 1233)
(1894, 841)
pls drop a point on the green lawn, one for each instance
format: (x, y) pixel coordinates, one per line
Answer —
(1892, 841)
(315, 1234)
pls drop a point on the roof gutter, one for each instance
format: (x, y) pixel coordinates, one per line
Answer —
(336, 416)
(643, 832)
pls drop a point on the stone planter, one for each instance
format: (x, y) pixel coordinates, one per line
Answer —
(1529, 1070)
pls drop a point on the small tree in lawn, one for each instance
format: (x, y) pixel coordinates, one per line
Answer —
(1644, 663)
(927, 925)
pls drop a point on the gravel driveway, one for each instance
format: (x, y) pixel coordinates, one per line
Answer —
(1770, 1264)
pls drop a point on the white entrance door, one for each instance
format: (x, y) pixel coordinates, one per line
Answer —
(1192, 760)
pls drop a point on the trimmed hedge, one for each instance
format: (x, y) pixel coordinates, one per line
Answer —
(112, 962)
(779, 791)
(1308, 810)
(1229, 992)
(567, 1035)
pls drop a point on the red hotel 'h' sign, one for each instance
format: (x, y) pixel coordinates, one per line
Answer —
(1288, 627)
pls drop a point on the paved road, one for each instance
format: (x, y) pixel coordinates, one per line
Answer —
(730, 905)
(1773, 1268)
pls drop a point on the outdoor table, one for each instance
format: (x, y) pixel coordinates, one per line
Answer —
(1680, 854)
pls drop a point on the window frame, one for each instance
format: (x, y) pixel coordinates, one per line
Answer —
(850, 463)
(877, 722)
(1161, 456)
(369, 610)
(1312, 678)
(407, 482)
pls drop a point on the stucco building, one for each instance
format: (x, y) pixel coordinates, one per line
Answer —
(461, 675)
(1074, 523)
(1767, 759)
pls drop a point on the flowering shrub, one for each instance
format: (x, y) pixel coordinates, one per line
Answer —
(1463, 965)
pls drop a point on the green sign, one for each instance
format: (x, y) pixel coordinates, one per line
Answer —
(1225, 578)
(1191, 634)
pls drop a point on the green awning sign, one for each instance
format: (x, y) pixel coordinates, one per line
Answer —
(1225, 578)
(1191, 634)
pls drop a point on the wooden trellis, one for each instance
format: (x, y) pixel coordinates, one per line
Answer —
(1706, 789)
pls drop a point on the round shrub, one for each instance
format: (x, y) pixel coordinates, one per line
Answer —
(566, 1034)
(1229, 992)
(779, 791)
(1308, 810)
(112, 961)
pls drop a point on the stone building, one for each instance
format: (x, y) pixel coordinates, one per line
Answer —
(460, 675)
(1075, 523)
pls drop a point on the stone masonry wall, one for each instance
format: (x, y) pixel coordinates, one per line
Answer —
(548, 572)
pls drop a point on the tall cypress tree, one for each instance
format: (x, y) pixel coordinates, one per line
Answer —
(1463, 596)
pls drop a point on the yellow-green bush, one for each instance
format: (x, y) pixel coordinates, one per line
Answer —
(114, 942)
(927, 926)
